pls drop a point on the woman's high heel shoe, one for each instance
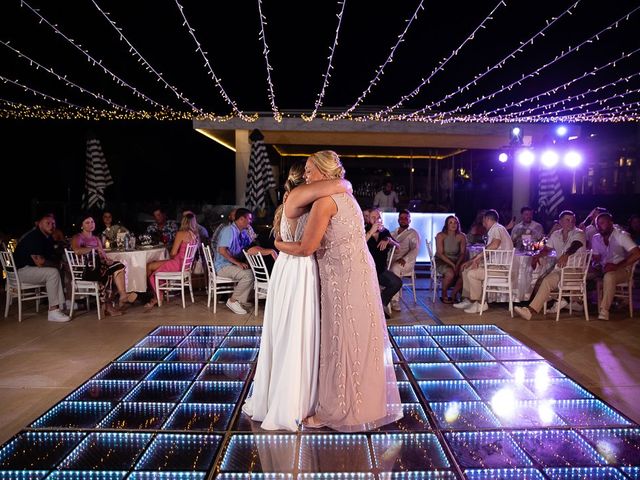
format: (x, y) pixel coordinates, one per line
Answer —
(110, 310)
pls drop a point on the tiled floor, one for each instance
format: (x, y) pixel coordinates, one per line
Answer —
(480, 401)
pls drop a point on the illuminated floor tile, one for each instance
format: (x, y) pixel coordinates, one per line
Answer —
(478, 370)
(456, 341)
(558, 448)
(334, 453)
(589, 413)
(259, 453)
(428, 355)
(463, 415)
(504, 474)
(74, 415)
(416, 341)
(206, 417)
(175, 371)
(214, 392)
(38, 450)
(591, 473)
(619, 446)
(125, 371)
(487, 450)
(107, 451)
(102, 391)
(137, 416)
(447, 391)
(407, 452)
(180, 452)
(414, 420)
(225, 371)
(435, 371)
(235, 355)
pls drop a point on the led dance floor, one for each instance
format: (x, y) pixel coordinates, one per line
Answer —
(478, 405)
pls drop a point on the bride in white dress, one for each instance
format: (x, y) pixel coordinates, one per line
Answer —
(286, 378)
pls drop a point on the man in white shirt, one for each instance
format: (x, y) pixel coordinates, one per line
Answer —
(404, 258)
(616, 252)
(386, 199)
(527, 230)
(565, 242)
(498, 238)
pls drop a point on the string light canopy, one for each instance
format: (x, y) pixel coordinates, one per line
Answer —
(560, 62)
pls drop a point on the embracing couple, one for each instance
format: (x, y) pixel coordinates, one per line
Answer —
(325, 357)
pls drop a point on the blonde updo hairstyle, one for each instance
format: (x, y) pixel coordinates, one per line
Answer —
(295, 178)
(328, 163)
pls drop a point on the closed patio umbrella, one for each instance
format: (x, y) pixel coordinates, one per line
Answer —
(97, 175)
(260, 175)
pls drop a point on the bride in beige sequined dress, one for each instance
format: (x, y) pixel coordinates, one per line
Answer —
(357, 388)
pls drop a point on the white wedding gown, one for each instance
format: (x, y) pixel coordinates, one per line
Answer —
(285, 384)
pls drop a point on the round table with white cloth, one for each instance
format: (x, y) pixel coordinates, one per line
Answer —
(136, 263)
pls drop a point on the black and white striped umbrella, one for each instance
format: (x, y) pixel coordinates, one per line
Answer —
(550, 194)
(260, 175)
(97, 176)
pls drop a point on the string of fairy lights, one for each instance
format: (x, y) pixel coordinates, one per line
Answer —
(567, 108)
(214, 77)
(534, 73)
(327, 74)
(380, 70)
(499, 65)
(35, 64)
(441, 65)
(92, 61)
(147, 65)
(563, 86)
(277, 116)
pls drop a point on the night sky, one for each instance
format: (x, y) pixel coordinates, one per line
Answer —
(164, 161)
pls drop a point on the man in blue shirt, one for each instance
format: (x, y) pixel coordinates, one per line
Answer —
(230, 261)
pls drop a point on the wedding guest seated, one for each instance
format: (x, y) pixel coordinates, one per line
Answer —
(615, 252)
(565, 242)
(111, 230)
(379, 240)
(230, 261)
(451, 248)
(633, 228)
(589, 224)
(110, 273)
(36, 263)
(406, 253)
(249, 234)
(473, 272)
(477, 231)
(527, 230)
(203, 233)
(187, 235)
(162, 230)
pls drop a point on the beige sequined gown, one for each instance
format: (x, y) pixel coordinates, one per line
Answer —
(357, 387)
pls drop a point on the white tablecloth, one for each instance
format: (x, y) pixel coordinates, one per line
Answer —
(523, 277)
(136, 263)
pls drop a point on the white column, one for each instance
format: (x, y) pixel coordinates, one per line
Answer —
(243, 154)
(520, 189)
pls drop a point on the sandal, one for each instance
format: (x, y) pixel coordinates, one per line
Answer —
(150, 304)
(112, 311)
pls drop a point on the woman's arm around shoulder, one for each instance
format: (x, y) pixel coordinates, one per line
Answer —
(319, 217)
(301, 197)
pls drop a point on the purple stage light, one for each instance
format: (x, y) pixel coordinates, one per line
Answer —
(561, 131)
(549, 158)
(572, 159)
(526, 157)
(503, 157)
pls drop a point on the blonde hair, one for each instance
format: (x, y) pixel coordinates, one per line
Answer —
(189, 223)
(328, 163)
(295, 178)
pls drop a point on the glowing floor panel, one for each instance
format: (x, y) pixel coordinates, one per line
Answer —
(477, 403)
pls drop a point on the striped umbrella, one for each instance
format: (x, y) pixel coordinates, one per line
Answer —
(550, 194)
(97, 176)
(260, 175)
